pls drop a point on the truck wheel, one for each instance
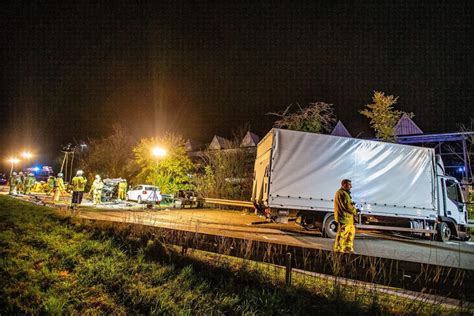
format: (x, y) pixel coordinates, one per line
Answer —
(330, 227)
(139, 200)
(443, 232)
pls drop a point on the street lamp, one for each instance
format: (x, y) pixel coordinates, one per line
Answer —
(26, 155)
(13, 161)
(159, 152)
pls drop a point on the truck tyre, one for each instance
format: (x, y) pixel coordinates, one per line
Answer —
(443, 232)
(139, 200)
(330, 227)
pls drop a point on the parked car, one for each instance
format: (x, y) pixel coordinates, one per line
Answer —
(190, 198)
(144, 193)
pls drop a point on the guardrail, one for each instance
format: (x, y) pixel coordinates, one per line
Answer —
(229, 202)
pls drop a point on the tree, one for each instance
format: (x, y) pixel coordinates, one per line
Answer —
(171, 172)
(227, 173)
(317, 117)
(383, 117)
(110, 156)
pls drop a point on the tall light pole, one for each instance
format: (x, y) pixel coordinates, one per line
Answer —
(68, 152)
(13, 161)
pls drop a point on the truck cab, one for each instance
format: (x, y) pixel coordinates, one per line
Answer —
(452, 210)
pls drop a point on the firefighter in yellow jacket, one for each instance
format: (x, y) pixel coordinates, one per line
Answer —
(96, 190)
(78, 187)
(29, 183)
(59, 187)
(122, 189)
(344, 212)
(12, 184)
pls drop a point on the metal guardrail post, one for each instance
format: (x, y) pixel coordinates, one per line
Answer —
(288, 269)
(184, 250)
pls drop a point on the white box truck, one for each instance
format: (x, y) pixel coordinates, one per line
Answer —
(396, 187)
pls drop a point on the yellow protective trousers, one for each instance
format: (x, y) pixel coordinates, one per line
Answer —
(345, 238)
(121, 194)
(97, 196)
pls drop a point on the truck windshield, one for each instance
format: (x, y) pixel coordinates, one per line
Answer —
(452, 189)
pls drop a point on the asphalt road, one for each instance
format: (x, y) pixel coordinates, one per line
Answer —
(249, 226)
(238, 224)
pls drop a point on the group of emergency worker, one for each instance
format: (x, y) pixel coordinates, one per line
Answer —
(79, 185)
(55, 186)
(21, 183)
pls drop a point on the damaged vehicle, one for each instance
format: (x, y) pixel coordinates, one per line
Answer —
(188, 198)
(110, 189)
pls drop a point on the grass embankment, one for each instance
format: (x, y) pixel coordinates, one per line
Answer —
(50, 263)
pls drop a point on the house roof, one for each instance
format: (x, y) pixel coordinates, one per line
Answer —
(250, 140)
(340, 130)
(192, 145)
(219, 143)
(406, 126)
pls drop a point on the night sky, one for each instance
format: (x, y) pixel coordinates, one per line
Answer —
(69, 70)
